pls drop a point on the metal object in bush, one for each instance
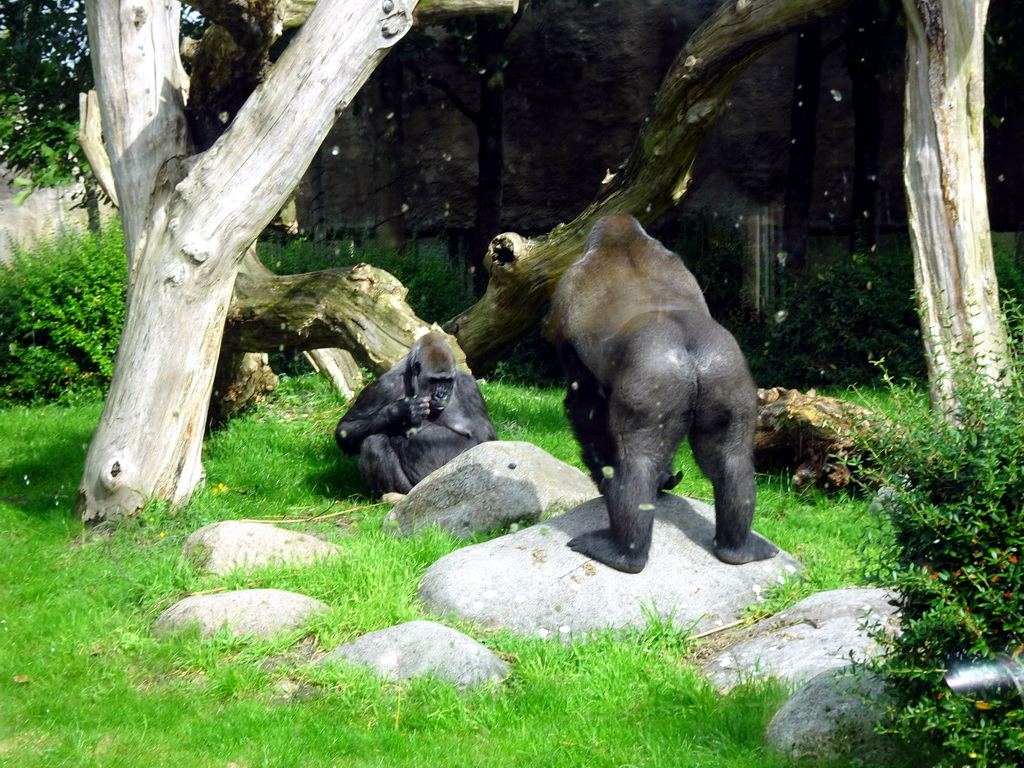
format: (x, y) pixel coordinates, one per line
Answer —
(1002, 675)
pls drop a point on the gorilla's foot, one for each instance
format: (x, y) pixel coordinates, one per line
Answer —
(669, 480)
(754, 547)
(603, 547)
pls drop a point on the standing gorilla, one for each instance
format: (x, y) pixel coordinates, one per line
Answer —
(417, 416)
(647, 367)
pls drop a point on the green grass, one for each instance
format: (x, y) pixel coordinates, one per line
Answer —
(83, 683)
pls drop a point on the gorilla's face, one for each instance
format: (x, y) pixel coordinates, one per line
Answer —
(433, 373)
(438, 387)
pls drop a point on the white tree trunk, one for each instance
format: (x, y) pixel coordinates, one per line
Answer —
(188, 221)
(945, 182)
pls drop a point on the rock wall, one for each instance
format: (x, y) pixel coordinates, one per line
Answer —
(43, 214)
(580, 81)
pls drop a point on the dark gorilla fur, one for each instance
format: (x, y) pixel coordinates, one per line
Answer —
(415, 418)
(647, 367)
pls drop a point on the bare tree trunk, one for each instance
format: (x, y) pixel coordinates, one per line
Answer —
(946, 196)
(188, 223)
(691, 100)
(188, 220)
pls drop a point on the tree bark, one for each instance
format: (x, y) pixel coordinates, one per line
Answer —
(189, 220)
(339, 368)
(946, 197)
(820, 439)
(360, 309)
(523, 272)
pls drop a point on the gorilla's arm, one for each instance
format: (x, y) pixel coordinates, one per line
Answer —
(381, 408)
(467, 415)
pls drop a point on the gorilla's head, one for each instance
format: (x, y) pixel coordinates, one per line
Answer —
(431, 372)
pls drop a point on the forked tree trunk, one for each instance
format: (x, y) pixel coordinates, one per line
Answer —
(188, 221)
(945, 182)
(524, 272)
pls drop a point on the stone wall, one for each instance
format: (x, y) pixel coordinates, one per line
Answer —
(43, 214)
(580, 81)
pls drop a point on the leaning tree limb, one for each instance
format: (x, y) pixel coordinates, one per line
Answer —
(523, 272)
(360, 309)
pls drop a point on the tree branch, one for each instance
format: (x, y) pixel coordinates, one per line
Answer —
(90, 139)
(360, 309)
(692, 99)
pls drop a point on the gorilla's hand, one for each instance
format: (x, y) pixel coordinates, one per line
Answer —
(414, 411)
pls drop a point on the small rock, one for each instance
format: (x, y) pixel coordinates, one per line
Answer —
(489, 486)
(421, 648)
(223, 547)
(816, 635)
(833, 717)
(263, 613)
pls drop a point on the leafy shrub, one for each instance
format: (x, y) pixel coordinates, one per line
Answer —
(827, 325)
(832, 324)
(954, 550)
(61, 311)
(1009, 270)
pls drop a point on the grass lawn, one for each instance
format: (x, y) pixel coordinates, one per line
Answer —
(83, 683)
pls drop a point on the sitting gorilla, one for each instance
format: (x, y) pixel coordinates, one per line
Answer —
(417, 416)
(646, 367)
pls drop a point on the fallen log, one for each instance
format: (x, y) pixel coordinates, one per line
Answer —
(819, 438)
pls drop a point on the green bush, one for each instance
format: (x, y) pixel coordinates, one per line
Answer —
(826, 325)
(61, 311)
(833, 323)
(954, 551)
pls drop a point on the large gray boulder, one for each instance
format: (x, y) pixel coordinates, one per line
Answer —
(489, 486)
(833, 717)
(818, 634)
(223, 547)
(422, 648)
(262, 613)
(531, 582)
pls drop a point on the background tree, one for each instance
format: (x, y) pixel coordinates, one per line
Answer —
(803, 121)
(868, 50)
(946, 196)
(483, 40)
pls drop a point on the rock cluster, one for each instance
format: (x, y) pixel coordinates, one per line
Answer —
(529, 582)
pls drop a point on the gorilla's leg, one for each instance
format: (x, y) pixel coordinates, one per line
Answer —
(587, 410)
(648, 417)
(381, 468)
(723, 449)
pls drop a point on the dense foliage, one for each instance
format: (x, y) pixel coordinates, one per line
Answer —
(43, 67)
(61, 311)
(953, 548)
(826, 325)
